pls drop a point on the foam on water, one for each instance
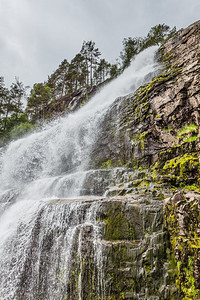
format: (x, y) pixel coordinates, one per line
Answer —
(52, 163)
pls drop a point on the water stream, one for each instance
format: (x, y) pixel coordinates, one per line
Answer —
(41, 237)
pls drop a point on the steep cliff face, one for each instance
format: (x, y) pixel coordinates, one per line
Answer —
(147, 148)
(161, 120)
(156, 132)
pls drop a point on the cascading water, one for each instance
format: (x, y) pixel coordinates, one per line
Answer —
(39, 236)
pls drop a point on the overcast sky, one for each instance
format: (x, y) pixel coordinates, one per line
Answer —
(36, 35)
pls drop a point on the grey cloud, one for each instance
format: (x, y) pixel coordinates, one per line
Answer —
(36, 35)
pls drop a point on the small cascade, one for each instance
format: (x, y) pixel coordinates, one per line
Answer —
(50, 235)
(53, 242)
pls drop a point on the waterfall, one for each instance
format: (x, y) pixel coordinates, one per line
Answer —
(42, 236)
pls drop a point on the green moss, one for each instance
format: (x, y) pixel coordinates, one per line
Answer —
(120, 284)
(143, 184)
(141, 95)
(187, 129)
(167, 129)
(183, 165)
(117, 227)
(83, 103)
(141, 138)
(192, 187)
(183, 253)
(106, 164)
(189, 288)
(191, 139)
(167, 57)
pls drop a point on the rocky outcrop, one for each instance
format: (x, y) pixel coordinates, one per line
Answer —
(133, 247)
(95, 249)
(160, 122)
(156, 133)
(182, 221)
(71, 102)
(146, 154)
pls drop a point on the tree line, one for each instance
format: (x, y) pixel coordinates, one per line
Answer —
(86, 69)
(12, 112)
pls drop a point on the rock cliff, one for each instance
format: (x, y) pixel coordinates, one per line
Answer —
(71, 102)
(161, 120)
(156, 133)
(146, 161)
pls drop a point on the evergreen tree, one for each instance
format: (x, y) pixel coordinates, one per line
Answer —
(101, 71)
(77, 76)
(132, 47)
(11, 113)
(17, 92)
(61, 82)
(40, 96)
(3, 96)
(91, 55)
(57, 81)
(114, 71)
(85, 69)
(157, 35)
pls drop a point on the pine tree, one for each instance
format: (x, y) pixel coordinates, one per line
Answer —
(40, 96)
(57, 81)
(77, 75)
(101, 71)
(17, 92)
(132, 47)
(114, 71)
(157, 35)
(91, 55)
(11, 113)
(3, 96)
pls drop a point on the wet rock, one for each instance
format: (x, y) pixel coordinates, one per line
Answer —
(138, 130)
(182, 221)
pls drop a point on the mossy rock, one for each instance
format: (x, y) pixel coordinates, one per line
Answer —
(185, 167)
(182, 222)
(117, 226)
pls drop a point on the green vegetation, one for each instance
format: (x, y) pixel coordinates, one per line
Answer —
(141, 138)
(106, 164)
(21, 129)
(187, 129)
(11, 111)
(38, 99)
(191, 139)
(86, 69)
(117, 226)
(183, 167)
(168, 73)
(190, 129)
(167, 129)
(184, 248)
(132, 46)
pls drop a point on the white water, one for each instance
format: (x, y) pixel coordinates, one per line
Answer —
(46, 249)
(52, 163)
